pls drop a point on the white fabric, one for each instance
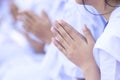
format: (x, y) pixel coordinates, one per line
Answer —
(24, 4)
(107, 47)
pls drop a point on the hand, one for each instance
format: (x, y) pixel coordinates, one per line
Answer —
(75, 46)
(14, 10)
(38, 25)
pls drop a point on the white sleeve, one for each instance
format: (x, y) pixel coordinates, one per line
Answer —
(108, 48)
(109, 66)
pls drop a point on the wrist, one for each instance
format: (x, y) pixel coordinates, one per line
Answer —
(91, 71)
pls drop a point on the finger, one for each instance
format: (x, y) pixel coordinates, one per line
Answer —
(44, 14)
(27, 28)
(71, 31)
(21, 13)
(68, 28)
(27, 14)
(32, 15)
(59, 46)
(27, 25)
(63, 33)
(88, 35)
(24, 19)
(59, 38)
(33, 19)
(45, 17)
(28, 19)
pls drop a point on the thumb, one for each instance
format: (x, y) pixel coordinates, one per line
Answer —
(88, 35)
(44, 14)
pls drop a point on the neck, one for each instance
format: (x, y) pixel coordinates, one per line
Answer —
(106, 12)
(104, 9)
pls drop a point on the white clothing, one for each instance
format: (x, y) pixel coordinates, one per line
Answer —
(107, 47)
(24, 4)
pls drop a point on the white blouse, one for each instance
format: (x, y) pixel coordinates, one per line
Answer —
(108, 48)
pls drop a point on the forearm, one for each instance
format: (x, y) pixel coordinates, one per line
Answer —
(91, 71)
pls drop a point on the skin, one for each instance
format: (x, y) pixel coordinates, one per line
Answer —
(78, 48)
(34, 23)
(100, 6)
(37, 46)
(14, 10)
(39, 26)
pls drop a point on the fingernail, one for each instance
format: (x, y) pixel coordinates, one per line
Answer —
(85, 28)
(52, 29)
(60, 21)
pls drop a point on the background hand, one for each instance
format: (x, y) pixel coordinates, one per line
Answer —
(38, 25)
(14, 10)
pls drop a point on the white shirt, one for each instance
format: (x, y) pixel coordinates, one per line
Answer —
(107, 47)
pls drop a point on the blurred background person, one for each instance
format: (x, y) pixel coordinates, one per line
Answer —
(15, 50)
